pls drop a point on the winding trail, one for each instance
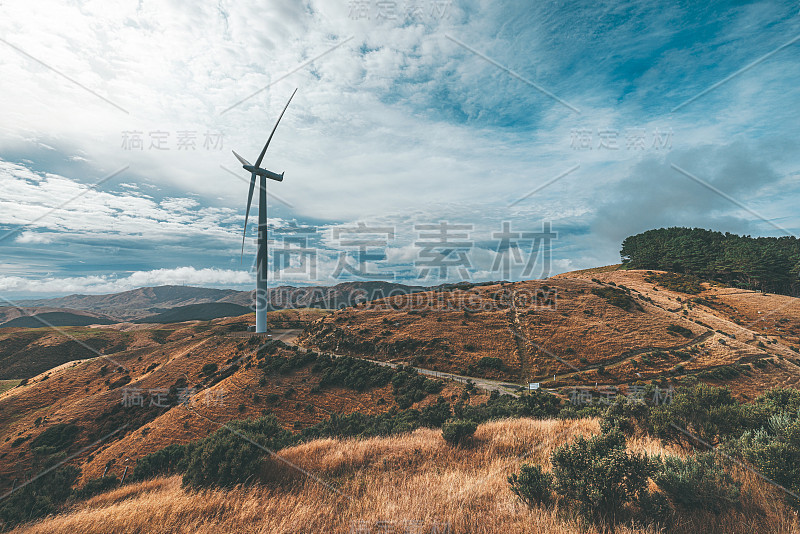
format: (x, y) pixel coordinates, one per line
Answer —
(290, 338)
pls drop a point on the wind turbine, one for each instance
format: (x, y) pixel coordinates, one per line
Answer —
(262, 297)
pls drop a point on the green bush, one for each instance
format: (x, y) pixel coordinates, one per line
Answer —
(222, 459)
(532, 485)
(95, 486)
(487, 362)
(626, 415)
(457, 431)
(165, 461)
(708, 412)
(774, 449)
(38, 498)
(54, 439)
(601, 478)
(655, 509)
(233, 454)
(616, 297)
(209, 369)
(682, 283)
(698, 483)
(679, 330)
(435, 415)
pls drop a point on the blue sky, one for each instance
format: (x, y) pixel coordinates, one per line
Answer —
(407, 114)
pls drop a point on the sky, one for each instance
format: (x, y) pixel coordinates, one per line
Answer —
(428, 142)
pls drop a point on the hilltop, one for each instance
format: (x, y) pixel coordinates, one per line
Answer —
(608, 326)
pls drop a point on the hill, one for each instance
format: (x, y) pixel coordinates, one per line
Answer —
(197, 312)
(9, 313)
(612, 327)
(138, 302)
(25, 353)
(162, 368)
(149, 301)
(48, 319)
(361, 425)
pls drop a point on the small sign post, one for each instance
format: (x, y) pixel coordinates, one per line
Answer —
(533, 385)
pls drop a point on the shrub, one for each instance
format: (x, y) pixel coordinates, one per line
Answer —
(435, 415)
(487, 362)
(38, 498)
(616, 297)
(166, 461)
(774, 449)
(209, 369)
(600, 477)
(532, 485)
(698, 483)
(222, 459)
(682, 283)
(457, 431)
(708, 412)
(55, 438)
(233, 454)
(626, 415)
(679, 330)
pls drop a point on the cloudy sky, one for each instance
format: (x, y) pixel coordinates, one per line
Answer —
(428, 140)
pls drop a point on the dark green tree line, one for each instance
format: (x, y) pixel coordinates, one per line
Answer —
(769, 264)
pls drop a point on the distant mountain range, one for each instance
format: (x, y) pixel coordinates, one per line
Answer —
(182, 303)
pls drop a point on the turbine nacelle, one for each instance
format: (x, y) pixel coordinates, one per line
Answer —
(258, 171)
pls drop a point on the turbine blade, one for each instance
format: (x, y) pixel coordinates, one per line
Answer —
(247, 213)
(240, 158)
(261, 156)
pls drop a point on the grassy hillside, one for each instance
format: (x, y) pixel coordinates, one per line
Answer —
(433, 485)
(603, 326)
(361, 427)
(225, 373)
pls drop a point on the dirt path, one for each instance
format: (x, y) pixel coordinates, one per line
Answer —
(290, 338)
(638, 352)
(516, 329)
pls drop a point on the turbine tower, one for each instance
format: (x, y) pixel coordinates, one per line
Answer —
(262, 297)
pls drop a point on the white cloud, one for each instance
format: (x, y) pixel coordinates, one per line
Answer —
(35, 238)
(108, 284)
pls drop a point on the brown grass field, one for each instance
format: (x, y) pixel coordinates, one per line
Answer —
(411, 479)
(578, 333)
(578, 336)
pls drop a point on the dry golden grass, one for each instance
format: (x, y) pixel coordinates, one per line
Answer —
(82, 395)
(430, 330)
(411, 477)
